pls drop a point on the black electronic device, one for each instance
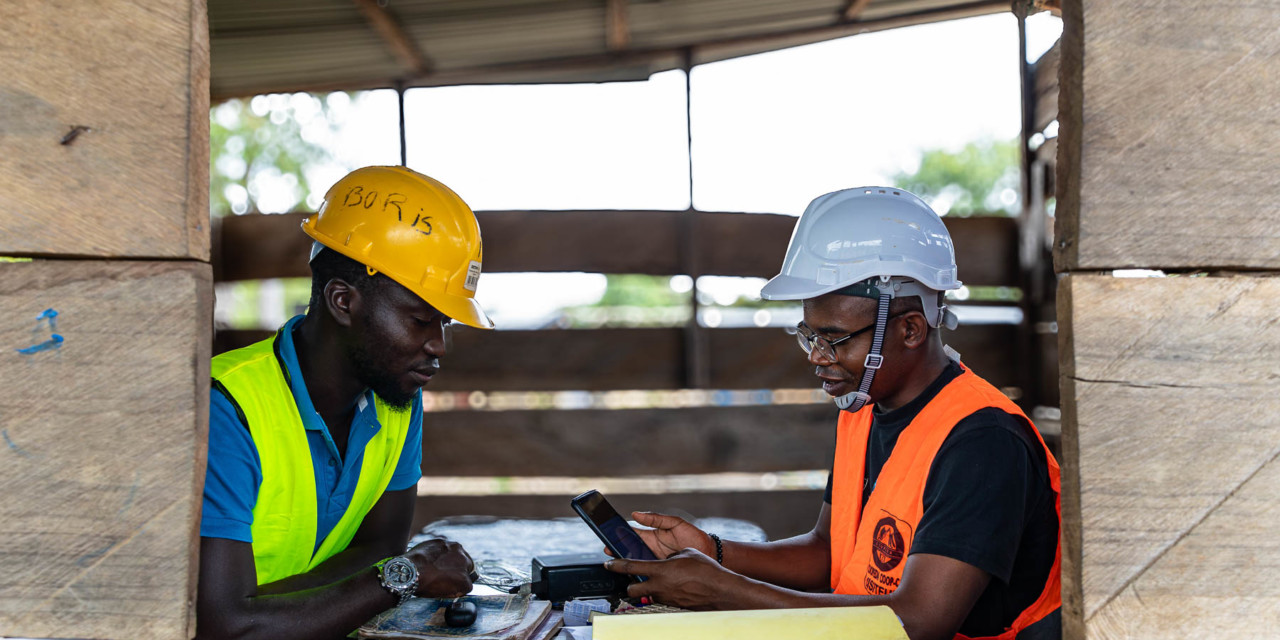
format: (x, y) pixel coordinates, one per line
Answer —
(460, 613)
(611, 528)
(562, 577)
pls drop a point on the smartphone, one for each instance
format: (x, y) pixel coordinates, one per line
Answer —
(611, 528)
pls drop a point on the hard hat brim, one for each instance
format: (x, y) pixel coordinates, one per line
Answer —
(782, 287)
(464, 310)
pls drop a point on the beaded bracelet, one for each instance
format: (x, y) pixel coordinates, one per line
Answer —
(719, 547)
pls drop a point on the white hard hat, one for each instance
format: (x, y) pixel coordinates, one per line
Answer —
(850, 236)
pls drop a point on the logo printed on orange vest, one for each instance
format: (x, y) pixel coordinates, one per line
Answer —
(888, 548)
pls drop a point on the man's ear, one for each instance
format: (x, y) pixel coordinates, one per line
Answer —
(341, 300)
(915, 329)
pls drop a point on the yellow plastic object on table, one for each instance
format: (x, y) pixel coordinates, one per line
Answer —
(830, 623)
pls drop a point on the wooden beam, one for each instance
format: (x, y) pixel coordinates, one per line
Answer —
(629, 442)
(1171, 456)
(608, 359)
(853, 9)
(781, 514)
(256, 246)
(1161, 174)
(104, 430)
(401, 43)
(104, 114)
(617, 25)
(1045, 88)
(1052, 6)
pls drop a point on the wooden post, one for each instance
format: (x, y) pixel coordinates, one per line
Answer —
(1169, 158)
(104, 362)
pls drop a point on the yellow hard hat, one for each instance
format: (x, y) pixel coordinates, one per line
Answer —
(411, 228)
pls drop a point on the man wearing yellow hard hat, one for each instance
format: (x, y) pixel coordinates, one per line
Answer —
(315, 435)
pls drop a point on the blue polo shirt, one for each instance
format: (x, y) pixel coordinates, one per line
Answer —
(234, 471)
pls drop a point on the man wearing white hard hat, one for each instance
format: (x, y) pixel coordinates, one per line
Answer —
(943, 501)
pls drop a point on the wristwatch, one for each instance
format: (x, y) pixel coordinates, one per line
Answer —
(399, 576)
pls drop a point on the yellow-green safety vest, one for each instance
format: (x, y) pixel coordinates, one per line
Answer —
(285, 517)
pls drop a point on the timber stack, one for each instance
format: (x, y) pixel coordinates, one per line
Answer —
(105, 320)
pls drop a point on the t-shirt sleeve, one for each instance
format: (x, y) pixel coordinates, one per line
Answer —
(977, 498)
(232, 476)
(409, 468)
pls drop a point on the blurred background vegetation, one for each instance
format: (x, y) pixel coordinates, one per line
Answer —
(273, 154)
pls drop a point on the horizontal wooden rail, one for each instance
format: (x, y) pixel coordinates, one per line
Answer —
(607, 359)
(628, 442)
(257, 246)
(780, 513)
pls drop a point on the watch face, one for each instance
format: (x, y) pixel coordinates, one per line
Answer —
(399, 573)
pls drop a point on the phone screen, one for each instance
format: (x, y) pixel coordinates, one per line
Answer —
(612, 529)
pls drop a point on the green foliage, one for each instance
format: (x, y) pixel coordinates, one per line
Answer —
(641, 291)
(261, 148)
(982, 177)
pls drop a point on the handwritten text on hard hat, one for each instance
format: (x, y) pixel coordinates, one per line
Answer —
(357, 196)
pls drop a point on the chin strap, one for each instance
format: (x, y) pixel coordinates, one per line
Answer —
(852, 402)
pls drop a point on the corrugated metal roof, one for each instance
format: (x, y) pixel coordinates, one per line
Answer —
(298, 45)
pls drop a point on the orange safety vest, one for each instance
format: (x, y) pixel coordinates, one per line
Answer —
(869, 551)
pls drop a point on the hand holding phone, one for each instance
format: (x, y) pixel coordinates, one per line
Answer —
(611, 528)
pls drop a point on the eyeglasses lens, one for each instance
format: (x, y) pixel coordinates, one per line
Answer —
(811, 341)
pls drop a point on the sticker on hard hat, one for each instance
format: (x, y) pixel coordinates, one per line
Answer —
(473, 276)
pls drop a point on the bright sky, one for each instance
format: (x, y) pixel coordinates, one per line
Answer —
(770, 133)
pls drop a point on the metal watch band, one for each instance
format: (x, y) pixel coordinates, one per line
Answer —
(399, 576)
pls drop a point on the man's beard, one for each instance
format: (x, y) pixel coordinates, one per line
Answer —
(368, 358)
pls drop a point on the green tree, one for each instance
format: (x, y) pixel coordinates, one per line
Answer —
(639, 291)
(982, 177)
(260, 150)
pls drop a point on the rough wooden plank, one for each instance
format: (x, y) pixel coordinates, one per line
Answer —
(602, 359)
(1050, 392)
(104, 439)
(1173, 107)
(257, 246)
(780, 513)
(134, 183)
(273, 246)
(629, 442)
(1169, 398)
(1045, 87)
(1066, 221)
(585, 359)
(607, 359)
(1235, 552)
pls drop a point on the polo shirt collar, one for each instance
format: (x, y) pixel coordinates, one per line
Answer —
(288, 354)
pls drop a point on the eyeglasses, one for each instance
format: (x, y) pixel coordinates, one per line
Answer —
(810, 340)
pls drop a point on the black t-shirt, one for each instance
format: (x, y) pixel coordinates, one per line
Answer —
(987, 503)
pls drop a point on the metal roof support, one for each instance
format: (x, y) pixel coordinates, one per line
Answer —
(697, 372)
(584, 66)
(389, 29)
(617, 33)
(853, 10)
(404, 146)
